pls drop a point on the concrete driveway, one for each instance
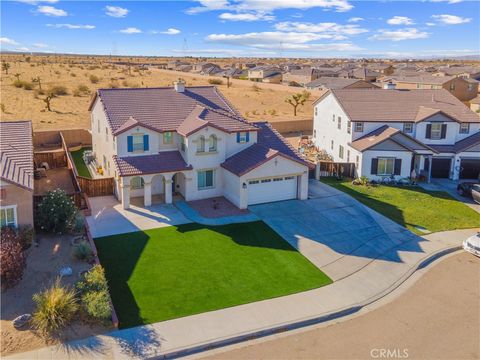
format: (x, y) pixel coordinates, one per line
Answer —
(337, 233)
(109, 218)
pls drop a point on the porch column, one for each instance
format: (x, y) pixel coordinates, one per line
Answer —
(168, 191)
(429, 168)
(303, 186)
(125, 190)
(147, 193)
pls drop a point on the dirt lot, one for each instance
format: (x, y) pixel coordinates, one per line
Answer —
(437, 318)
(259, 102)
(43, 264)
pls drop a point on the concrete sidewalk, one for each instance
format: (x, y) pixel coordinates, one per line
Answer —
(196, 333)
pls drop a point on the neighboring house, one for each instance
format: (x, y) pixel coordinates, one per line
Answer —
(176, 64)
(475, 104)
(234, 73)
(462, 89)
(300, 77)
(384, 69)
(198, 67)
(16, 174)
(192, 143)
(328, 71)
(323, 83)
(364, 74)
(261, 73)
(392, 132)
(464, 72)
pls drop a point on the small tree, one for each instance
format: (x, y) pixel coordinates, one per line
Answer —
(17, 75)
(56, 213)
(5, 66)
(38, 81)
(12, 258)
(295, 100)
(47, 100)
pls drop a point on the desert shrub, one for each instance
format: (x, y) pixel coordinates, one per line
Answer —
(93, 292)
(23, 84)
(81, 90)
(3, 108)
(57, 72)
(94, 79)
(55, 308)
(73, 75)
(83, 251)
(113, 85)
(58, 90)
(272, 112)
(215, 81)
(56, 212)
(12, 258)
(255, 88)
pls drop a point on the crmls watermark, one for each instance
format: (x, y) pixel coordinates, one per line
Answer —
(389, 353)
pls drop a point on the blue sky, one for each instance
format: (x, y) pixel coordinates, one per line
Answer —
(269, 28)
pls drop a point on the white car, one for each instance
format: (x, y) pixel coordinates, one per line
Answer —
(472, 244)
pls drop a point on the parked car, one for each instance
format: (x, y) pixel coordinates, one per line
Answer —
(472, 244)
(465, 188)
(476, 193)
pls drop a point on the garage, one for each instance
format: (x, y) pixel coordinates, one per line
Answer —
(272, 189)
(469, 168)
(441, 168)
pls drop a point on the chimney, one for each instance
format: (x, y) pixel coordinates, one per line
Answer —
(179, 85)
(389, 86)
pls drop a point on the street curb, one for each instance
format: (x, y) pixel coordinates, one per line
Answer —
(281, 328)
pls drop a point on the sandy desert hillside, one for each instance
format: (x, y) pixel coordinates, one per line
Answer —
(22, 98)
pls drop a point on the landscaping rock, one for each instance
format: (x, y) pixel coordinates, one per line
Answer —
(21, 321)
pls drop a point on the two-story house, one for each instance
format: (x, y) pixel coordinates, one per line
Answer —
(393, 132)
(191, 142)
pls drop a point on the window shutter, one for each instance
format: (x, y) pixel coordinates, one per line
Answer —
(238, 137)
(248, 136)
(130, 143)
(428, 134)
(398, 167)
(145, 143)
(374, 167)
(444, 131)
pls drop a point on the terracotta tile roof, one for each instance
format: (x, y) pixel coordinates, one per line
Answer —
(423, 79)
(166, 161)
(269, 145)
(462, 145)
(164, 109)
(16, 148)
(334, 82)
(401, 105)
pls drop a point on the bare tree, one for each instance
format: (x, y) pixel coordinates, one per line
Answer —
(48, 100)
(5, 66)
(295, 100)
(38, 81)
(17, 75)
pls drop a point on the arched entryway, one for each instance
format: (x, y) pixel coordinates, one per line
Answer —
(158, 189)
(178, 186)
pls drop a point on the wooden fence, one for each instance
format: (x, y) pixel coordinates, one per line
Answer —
(55, 159)
(328, 168)
(96, 187)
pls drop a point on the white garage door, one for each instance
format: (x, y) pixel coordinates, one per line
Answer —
(272, 189)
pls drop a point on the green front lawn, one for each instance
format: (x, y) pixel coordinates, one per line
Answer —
(412, 206)
(176, 271)
(80, 164)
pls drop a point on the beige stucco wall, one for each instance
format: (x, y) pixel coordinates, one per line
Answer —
(23, 198)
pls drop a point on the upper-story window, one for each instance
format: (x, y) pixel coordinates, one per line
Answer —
(359, 127)
(340, 151)
(137, 143)
(201, 144)
(182, 143)
(243, 137)
(106, 134)
(167, 137)
(339, 125)
(316, 111)
(470, 87)
(436, 131)
(212, 143)
(333, 117)
(98, 127)
(349, 127)
(331, 145)
(407, 127)
(8, 216)
(464, 128)
(452, 86)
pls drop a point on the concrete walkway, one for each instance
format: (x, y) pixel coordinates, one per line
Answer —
(195, 216)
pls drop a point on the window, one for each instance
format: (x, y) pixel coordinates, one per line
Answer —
(349, 127)
(340, 151)
(205, 179)
(316, 111)
(407, 127)
(331, 145)
(278, 179)
(333, 117)
(104, 162)
(266, 180)
(242, 137)
(289, 177)
(8, 216)
(137, 142)
(98, 129)
(436, 132)
(201, 144)
(464, 128)
(113, 142)
(182, 143)
(357, 161)
(106, 134)
(385, 166)
(339, 126)
(314, 133)
(348, 156)
(167, 137)
(358, 127)
(452, 86)
(137, 183)
(212, 143)
(470, 87)
(253, 182)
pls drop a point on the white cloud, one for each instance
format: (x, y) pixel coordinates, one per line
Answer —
(269, 6)
(72, 26)
(355, 19)
(430, 24)
(399, 35)
(131, 30)
(448, 1)
(297, 15)
(35, 2)
(51, 11)
(116, 11)
(7, 41)
(40, 45)
(451, 19)
(246, 16)
(171, 31)
(22, 48)
(336, 31)
(400, 20)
